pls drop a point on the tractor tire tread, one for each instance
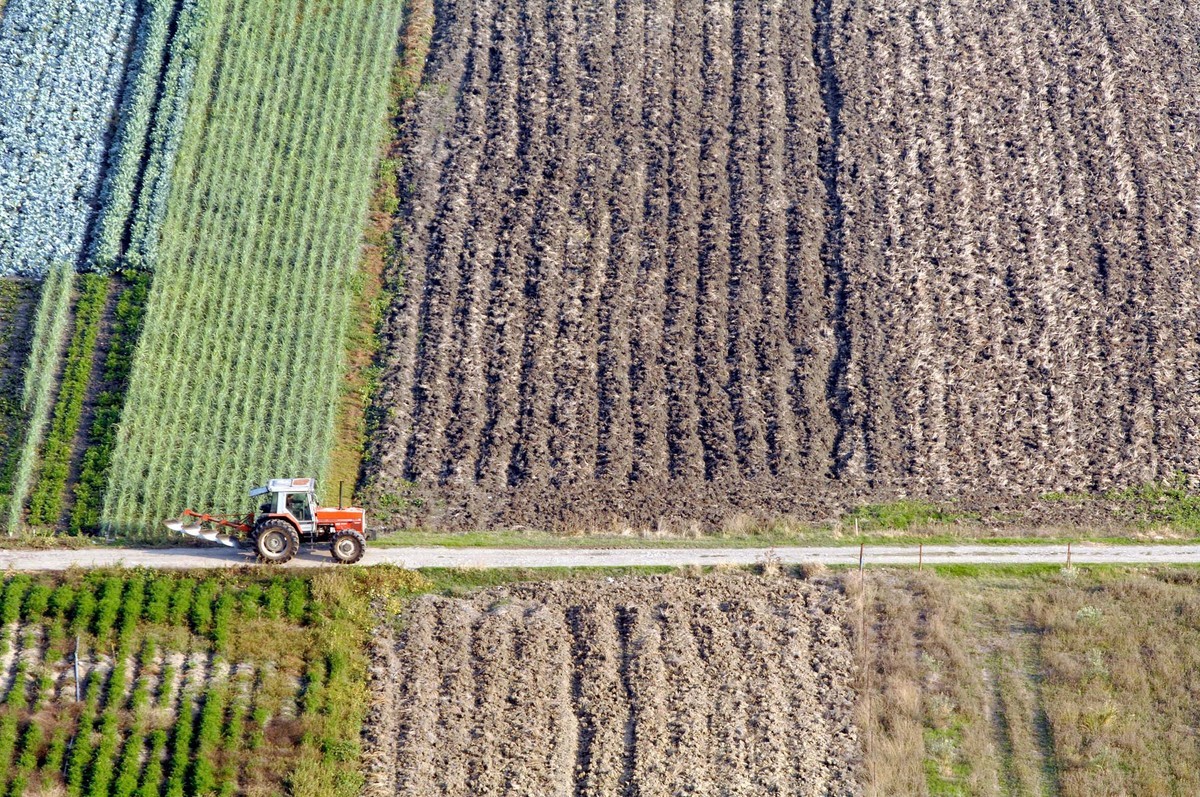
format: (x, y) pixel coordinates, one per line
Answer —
(358, 537)
(293, 546)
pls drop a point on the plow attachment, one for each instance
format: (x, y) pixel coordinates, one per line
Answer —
(211, 528)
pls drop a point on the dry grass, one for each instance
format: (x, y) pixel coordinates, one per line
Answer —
(1081, 684)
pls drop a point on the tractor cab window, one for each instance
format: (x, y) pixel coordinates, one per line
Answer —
(298, 505)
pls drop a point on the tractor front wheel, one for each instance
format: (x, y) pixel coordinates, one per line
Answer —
(277, 541)
(348, 547)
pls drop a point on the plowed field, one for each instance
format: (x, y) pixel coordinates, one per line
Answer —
(651, 686)
(675, 262)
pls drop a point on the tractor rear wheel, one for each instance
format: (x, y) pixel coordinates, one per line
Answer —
(348, 547)
(276, 541)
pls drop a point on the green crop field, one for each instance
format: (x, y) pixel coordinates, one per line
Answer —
(188, 684)
(239, 366)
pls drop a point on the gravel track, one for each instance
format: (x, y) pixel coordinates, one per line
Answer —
(649, 686)
(180, 558)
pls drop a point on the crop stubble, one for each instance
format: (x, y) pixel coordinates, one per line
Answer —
(663, 685)
(671, 263)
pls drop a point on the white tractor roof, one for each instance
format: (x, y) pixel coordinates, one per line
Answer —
(305, 484)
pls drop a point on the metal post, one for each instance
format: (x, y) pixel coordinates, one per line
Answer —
(862, 550)
(77, 695)
(340, 485)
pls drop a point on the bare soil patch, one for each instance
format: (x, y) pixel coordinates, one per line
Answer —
(646, 686)
(668, 264)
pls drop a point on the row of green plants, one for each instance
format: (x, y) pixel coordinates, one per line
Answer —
(147, 727)
(165, 136)
(238, 370)
(45, 502)
(109, 609)
(41, 374)
(102, 436)
(125, 156)
(142, 156)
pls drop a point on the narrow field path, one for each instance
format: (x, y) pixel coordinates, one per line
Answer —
(316, 556)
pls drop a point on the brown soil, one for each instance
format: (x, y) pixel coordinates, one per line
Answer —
(634, 686)
(679, 261)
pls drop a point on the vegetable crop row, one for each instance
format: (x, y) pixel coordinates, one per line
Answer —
(41, 372)
(126, 155)
(165, 135)
(93, 474)
(100, 607)
(45, 503)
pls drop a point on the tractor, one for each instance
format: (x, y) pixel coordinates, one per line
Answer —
(288, 515)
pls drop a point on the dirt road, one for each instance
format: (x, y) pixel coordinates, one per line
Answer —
(1082, 553)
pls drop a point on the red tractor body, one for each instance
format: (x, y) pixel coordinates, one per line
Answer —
(336, 519)
(288, 515)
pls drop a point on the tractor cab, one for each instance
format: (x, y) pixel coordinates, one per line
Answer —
(294, 499)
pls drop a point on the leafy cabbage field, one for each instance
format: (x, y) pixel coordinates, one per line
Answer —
(61, 64)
